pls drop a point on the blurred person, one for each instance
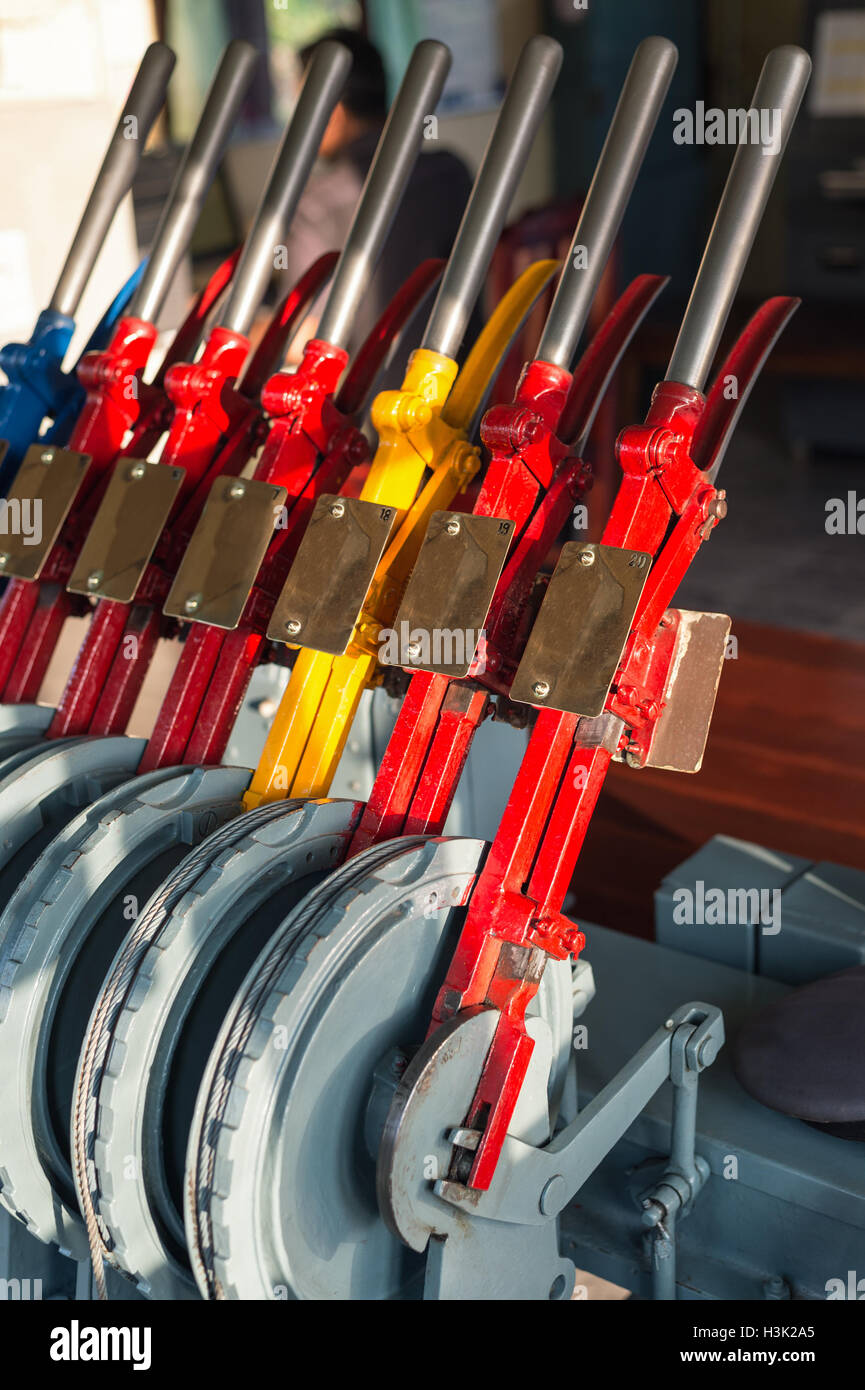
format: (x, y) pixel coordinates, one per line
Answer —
(428, 217)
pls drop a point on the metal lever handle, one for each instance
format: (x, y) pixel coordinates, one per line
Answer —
(194, 177)
(779, 91)
(394, 160)
(634, 119)
(114, 179)
(525, 101)
(322, 84)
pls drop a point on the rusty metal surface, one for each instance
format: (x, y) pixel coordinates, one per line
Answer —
(335, 564)
(227, 547)
(689, 694)
(451, 587)
(46, 485)
(576, 643)
(127, 525)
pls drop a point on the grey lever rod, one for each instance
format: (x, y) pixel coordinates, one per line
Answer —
(385, 184)
(115, 176)
(194, 177)
(779, 91)
(630, 131)
(508, 149)
(322, 85)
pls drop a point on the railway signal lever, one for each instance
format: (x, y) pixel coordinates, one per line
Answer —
(335, 612)
(148, 511)
(475, 573)
(36, 387)
(120, 411)
(612, 603)
(313, 443)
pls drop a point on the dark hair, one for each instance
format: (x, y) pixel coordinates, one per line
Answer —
(365, 92)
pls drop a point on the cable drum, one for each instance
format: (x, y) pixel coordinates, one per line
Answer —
(280, 1197)
(159, 1011)
(22, 726)
(59, 934)
(231, 1045)
(112, 998)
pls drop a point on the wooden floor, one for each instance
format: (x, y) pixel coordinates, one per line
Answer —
(784, 766)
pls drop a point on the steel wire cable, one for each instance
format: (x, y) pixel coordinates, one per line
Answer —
(300, 921)
(112, 998)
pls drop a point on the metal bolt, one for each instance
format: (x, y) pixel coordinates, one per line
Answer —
(587, 557)
(776, 1288)
(654, 1212)
(46, 456)
(413, 650)
(453, 527)
(138, 470)
(669, 1025)
(541, 689)
(338, 509)
(94, 579)
(192, 604)
(709, 1050)
(4, 559)
(293, 626)
(554, 1196)
(237, 489)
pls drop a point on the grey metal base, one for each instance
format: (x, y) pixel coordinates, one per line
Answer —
(783, 1211)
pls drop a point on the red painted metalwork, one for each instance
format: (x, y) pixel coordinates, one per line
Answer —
(214, 428)
(535, 480)
(311, 448)
(547, 231)
(514, 921)
(118, 402)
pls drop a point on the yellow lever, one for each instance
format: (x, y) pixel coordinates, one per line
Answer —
(421, 428)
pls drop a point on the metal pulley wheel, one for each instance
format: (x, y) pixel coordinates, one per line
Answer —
(58, 935)
(484, 1258)
(42, 787)
(281, 1169)
(159, 1012)
(21, 726)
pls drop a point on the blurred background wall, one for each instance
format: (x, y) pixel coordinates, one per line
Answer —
(65, 67)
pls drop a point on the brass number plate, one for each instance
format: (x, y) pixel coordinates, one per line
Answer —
(689, 697)
(129, 522)
(576, 643)
(39, 502)
(227, 547)
(335, 564)
(449, 593)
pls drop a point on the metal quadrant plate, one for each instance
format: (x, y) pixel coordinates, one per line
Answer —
(333, 569)
(38, 503)
(127, 525)
(450, 590)
(689, 695)
(576, 643)
(227, 547)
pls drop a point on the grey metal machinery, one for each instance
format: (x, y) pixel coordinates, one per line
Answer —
(288, 1138)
